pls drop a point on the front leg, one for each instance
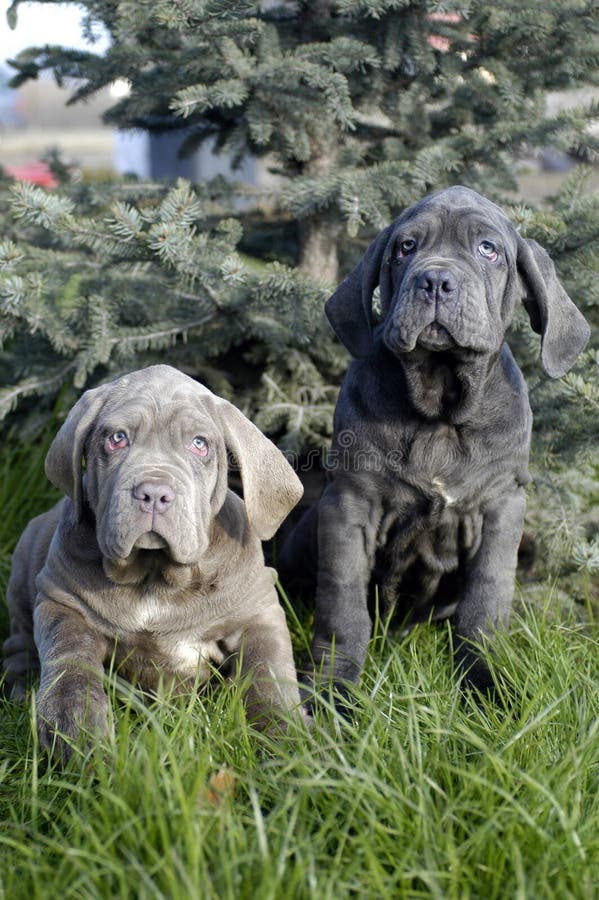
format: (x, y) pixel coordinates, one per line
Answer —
(348, 520)
(487, 597)
(71, 693)
(267, 658)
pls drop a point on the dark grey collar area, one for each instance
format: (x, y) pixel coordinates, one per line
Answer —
(447, 385)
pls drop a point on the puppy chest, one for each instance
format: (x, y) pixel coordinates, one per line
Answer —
(438, 468)
(187, 654)
(441, 473)
(436, 449)
(150, 656)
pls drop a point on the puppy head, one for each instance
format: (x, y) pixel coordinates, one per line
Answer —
(148, 454)
(451, 270)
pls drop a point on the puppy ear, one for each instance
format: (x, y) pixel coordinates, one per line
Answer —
(563, 329)
(270, 486)
(64, 460)
(349, 310)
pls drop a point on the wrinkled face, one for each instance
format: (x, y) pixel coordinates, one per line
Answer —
(446, 273)
(152, 476)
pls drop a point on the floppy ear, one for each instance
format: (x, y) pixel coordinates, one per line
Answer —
(563, 329)
(349, 310)
(270, 486)
(64, 460)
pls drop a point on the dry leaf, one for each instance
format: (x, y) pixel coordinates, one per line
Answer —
(220, 788)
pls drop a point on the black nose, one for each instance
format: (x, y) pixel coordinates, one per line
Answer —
(153, 497)
(437, 284)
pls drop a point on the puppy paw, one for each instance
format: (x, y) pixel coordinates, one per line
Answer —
(336, 694)
(474, 673)
(14, 690)
(72, 704)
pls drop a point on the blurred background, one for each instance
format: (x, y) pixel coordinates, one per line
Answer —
(35, 119)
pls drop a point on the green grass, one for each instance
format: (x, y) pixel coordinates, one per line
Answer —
(419, 795)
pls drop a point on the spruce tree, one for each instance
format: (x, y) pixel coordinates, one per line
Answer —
(361, 106)
(99, 278)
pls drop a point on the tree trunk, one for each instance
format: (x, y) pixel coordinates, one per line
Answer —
(318, 248)
(319, 232)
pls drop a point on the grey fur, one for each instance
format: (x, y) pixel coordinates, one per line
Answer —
(432, 431)
(150, 559)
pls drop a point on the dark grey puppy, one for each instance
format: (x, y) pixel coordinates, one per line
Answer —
(432, 430)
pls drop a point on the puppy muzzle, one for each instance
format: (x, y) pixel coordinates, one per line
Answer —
(153, 512)
(439, 307)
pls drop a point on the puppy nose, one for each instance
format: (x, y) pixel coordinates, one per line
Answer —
(437, 284)
(153, 496)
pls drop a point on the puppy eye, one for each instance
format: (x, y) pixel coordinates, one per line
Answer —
(488, 250)
(199, 446)
(406, 247)
(116, 441)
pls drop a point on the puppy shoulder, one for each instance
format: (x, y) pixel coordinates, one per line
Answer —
(32, 547)
(73, 561)
(358, 395)
(30, 555)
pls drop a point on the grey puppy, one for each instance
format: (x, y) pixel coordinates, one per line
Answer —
(432, 429)
(151, 559)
